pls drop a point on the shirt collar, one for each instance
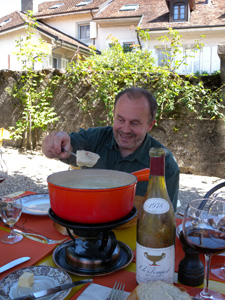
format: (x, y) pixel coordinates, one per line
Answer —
(139, 154)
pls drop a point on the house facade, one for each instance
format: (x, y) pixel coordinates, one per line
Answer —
(90, 22)
(60, 49)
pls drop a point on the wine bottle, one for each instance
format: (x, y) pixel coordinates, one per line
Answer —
(156, 227)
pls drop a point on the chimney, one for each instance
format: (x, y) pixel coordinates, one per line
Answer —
(26, 5)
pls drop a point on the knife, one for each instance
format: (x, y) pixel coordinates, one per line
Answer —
(13, 263)
(47, 292)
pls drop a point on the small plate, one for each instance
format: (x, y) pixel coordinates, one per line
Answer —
(36, 204)
(44, 277)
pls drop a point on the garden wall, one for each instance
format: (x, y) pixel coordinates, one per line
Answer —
(199, 146)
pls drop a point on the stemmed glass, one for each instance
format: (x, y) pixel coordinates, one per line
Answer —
(10, 211)
(3, 168)
(219, 269)
(204, 230)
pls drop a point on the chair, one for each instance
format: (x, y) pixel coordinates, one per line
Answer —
(214, 189)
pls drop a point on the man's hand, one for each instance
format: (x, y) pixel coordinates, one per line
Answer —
(53, 144)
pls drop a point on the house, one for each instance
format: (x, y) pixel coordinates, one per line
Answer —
(62, 48)
(80, 23)
(192, 18)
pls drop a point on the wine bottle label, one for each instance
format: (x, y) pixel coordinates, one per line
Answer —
(156, 206)
(155, 264)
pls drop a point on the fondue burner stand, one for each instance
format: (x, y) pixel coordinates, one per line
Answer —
(95, 251)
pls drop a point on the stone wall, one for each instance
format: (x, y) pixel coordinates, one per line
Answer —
(199, 146)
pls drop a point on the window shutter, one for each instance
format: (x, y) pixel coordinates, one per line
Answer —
(64, 63)
(93, 30)
(49, 61)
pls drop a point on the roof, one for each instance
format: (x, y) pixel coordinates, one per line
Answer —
(155, 14)
(68, 7)
(17, 20)
(152, 14)
(204, 15)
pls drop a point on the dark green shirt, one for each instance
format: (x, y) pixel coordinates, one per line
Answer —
(101, 141)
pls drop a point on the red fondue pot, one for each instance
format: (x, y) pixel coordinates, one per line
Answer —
(93, 195)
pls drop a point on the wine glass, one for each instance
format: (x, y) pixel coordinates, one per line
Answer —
(3, 168)
(10, 211)
(219, 269)
(203, 231)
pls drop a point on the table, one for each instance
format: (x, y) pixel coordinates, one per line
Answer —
(42, 254)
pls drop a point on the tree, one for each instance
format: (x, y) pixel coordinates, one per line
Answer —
(103, 76)
(31, 89)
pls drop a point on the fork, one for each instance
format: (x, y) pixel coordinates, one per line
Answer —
(116, 292)
(39, 237)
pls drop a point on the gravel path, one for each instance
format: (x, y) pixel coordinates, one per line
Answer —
(29, 171)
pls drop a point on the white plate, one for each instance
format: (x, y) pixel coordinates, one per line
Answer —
(44, 277)
(36, 204)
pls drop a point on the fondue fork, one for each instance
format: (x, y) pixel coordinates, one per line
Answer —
(71, 153)
(39, 237)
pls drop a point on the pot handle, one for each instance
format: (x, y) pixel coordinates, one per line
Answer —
(142, 175)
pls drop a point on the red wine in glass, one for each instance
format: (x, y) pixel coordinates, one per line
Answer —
(218, 270)
(206, 241)
(204, 230)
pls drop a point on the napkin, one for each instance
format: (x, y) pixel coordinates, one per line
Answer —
(122, 276)
(27, 247)
(98, 292)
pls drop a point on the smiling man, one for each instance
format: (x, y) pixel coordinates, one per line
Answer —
(132, 119)
(123, 147)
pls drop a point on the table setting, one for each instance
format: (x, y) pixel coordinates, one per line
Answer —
(59, 262)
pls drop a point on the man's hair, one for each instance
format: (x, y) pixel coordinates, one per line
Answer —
(136, 93)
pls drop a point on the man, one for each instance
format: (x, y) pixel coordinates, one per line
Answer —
(123, 147)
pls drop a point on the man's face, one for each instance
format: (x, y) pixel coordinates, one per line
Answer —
(131, 123)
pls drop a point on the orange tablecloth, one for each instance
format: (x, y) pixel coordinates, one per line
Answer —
(27, 247)
(37, 251)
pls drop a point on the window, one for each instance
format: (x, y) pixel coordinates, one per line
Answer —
(83, 3)
(5, 22)
(163, 56)
(129, 7)
(127, 47)
(179, 12)
(55, 64)
(84, 32)
(56, 6)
